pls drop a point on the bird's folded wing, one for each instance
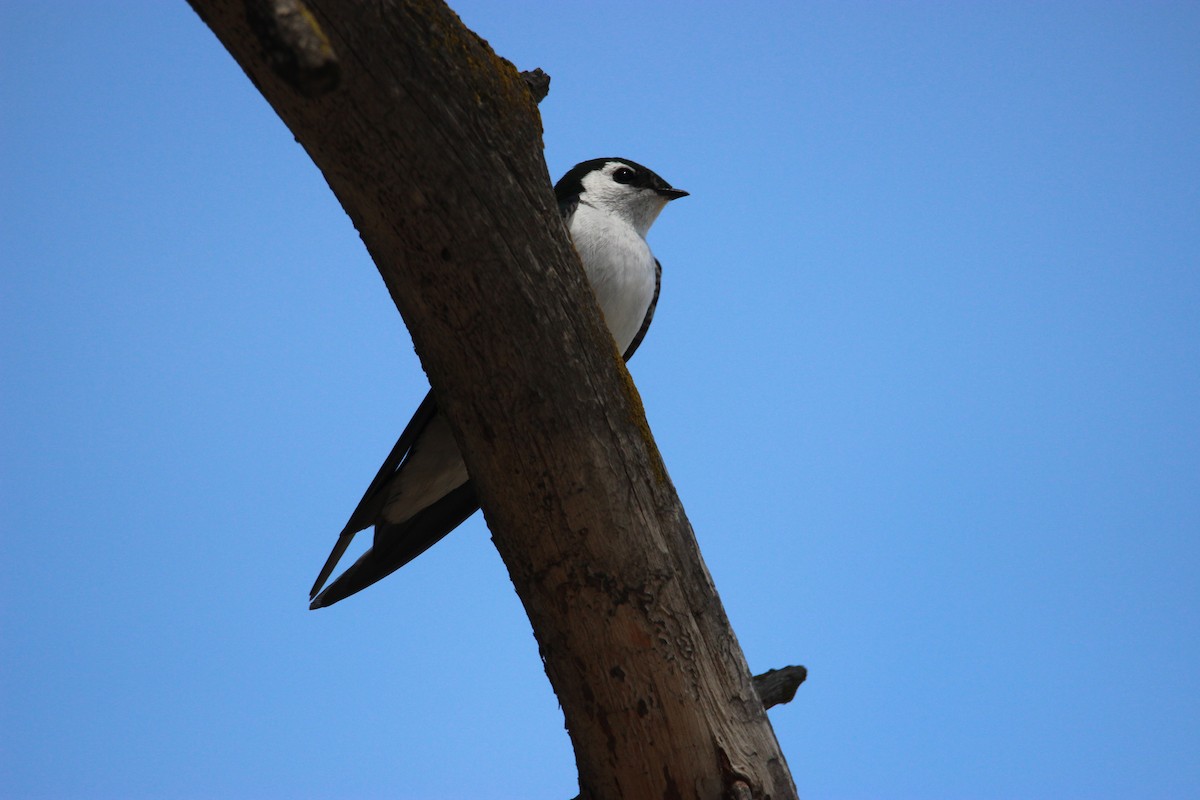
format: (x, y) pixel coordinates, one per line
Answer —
(641, 334)
(371, 504)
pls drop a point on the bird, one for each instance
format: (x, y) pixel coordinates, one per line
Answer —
(423, 491)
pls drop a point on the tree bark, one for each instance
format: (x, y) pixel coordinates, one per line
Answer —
(432, 143)
(778, 686)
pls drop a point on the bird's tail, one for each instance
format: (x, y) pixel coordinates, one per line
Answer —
(396, 545)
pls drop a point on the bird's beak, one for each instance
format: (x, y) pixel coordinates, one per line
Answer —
(672, 194)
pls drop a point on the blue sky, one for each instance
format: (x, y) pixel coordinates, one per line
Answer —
(925, 371)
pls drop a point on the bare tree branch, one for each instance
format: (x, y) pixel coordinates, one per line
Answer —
(294, 45)
(778, 686)
(538, 83)
(432, 144)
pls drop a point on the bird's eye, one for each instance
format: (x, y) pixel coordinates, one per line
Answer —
(624, 175)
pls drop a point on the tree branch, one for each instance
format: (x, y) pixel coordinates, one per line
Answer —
(294, 45)
(778, 686)
(432, 144)
(538, 83)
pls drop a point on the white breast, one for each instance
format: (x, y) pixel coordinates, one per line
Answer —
(619, 266)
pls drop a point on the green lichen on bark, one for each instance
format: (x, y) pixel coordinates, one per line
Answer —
(637, 415)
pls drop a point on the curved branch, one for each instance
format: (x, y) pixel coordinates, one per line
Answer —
(432, 144)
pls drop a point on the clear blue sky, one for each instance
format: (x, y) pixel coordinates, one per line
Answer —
(925, 371)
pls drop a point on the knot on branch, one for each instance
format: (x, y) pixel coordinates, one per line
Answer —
(778, 686)
(295, 46)
(740, 790)
(538, 83)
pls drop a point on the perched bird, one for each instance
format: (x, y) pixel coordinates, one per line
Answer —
(423, 491)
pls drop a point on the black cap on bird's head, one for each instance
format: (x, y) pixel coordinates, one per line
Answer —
(621, 170)
(618, 186)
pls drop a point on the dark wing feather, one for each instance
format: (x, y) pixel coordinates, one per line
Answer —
(371, 504)
(641, 334)
(398, 544)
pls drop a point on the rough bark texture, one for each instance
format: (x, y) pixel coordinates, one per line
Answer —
(432, 144)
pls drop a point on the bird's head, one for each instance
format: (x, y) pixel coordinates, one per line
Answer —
(621, 187)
